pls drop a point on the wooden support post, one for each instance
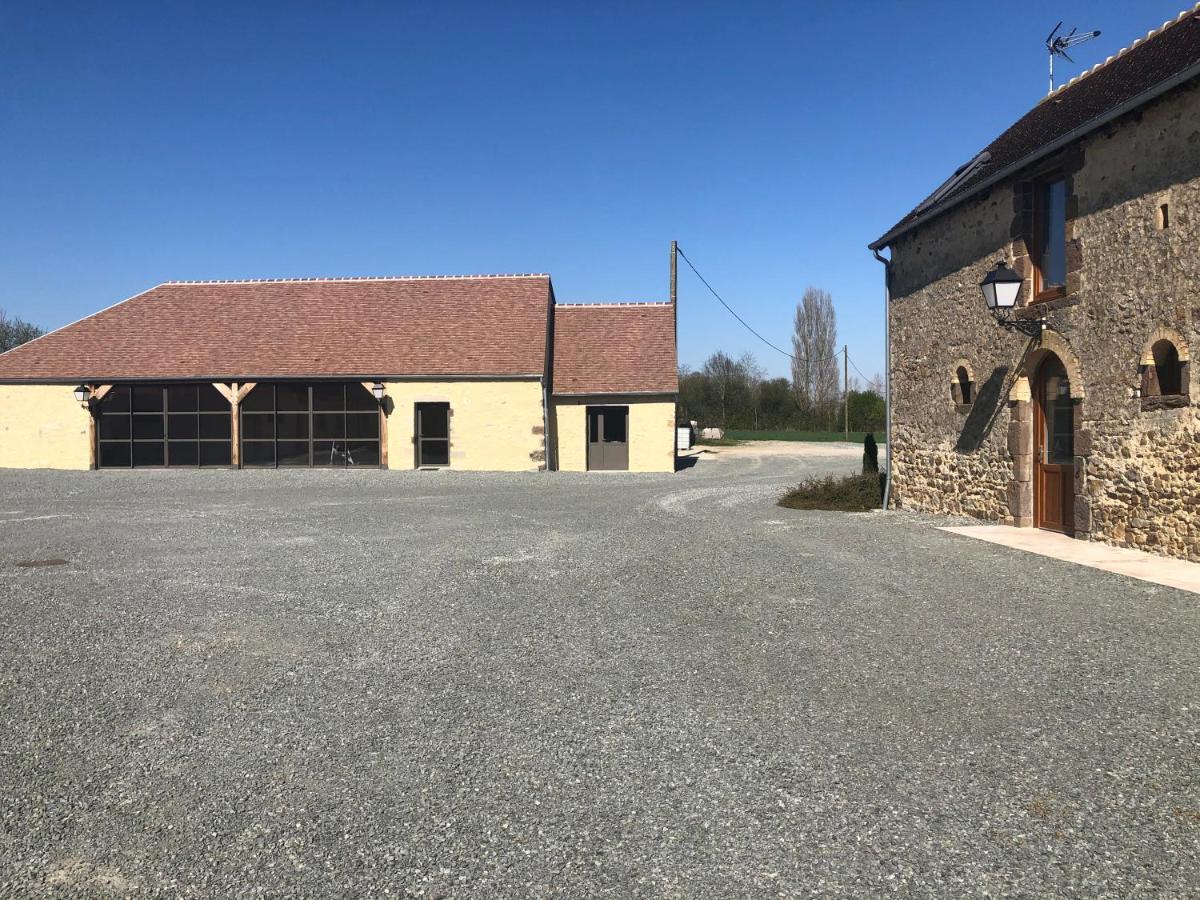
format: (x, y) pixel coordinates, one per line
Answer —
(383, 447)
(98, 393)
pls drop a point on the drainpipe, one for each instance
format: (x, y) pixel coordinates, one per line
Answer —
(887, 371)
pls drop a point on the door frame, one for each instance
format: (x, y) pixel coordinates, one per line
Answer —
(1065, 471)
(602, 410)
(418, 440)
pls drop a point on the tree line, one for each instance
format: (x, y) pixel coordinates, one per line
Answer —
(735, 393)
(14, 332)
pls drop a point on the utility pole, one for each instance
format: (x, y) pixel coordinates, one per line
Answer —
(674, 280)
(846, 385)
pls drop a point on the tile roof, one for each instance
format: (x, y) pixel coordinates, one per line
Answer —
(614, 348)
(456, 325)
(1142, 71)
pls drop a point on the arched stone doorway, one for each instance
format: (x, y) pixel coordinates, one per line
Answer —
(1047, 442)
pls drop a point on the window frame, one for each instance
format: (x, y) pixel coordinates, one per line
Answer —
(165, 416)
(1037, 249)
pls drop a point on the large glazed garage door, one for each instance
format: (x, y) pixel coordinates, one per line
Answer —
(163, 425)
(324, 424)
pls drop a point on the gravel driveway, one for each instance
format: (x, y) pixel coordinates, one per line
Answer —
(457, 685)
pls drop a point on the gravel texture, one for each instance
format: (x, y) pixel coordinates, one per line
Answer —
(396, 684)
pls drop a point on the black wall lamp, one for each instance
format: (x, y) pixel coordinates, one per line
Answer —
(1001, 287)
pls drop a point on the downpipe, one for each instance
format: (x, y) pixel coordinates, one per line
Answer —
(887, 371)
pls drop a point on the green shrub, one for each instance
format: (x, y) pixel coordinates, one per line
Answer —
(855, 493)
(870, 455)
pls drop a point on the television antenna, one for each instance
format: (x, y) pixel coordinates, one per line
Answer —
(1058, 44)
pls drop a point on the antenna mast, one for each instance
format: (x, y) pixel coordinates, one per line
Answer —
(1057, 45)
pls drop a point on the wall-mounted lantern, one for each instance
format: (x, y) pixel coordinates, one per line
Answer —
(377, 390)
(1001, 287)
(83, 395)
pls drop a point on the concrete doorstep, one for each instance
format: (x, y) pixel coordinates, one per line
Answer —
(1175, 573)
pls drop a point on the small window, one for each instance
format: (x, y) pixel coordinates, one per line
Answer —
(1165, 377)
(1050, 237)
(1163, 218)
(964, 389)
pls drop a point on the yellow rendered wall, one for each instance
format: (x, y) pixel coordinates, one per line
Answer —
(42, 427)
(651, 432)
(494, 425)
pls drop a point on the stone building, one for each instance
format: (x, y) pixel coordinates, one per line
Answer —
(1088, 427)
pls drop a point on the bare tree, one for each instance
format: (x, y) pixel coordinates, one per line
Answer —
(876, 384)
(753, 375)
(814, 343)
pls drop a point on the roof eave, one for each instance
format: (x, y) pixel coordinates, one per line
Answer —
(1054, 146)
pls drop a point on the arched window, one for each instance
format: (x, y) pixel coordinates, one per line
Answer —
(966, 389)
(1164, 374)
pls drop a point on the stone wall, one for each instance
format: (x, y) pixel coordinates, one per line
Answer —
(1137, 465)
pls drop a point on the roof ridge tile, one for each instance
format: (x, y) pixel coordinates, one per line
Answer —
(351, 278)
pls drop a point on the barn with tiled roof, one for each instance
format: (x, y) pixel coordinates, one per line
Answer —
(462, 372)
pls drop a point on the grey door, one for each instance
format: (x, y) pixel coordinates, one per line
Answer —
(608, 438)
(432, 434)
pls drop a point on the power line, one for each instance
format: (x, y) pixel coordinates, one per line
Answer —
(859, 371)
(745, 324)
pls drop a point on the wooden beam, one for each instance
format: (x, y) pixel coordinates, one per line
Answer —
(223, 390)
(101, 392)
(246, 388)
(383, 458)
(91, 437)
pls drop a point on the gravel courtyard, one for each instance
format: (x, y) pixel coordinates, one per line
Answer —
(401, 684)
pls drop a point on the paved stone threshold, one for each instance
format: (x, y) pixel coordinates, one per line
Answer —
(1175, 573)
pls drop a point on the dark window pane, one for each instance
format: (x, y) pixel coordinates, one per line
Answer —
(434, 420)
(328, 397)
(1053, 258)
(181, 425)
(258, 426)
(114, 427)
(215, 425)
(293, 453)
(147, 398)
(362, 425)
(329, 425)
(114, 455)
(359, 398)
(290, 426)
(261, 399)
(182, 453)
(614, 424)
(435, 453)
(291, 397)
(116, 400)
(147, 427)
(214, 453)
(593, 426)
(212, 400)
(329, 453)
(258, 453)
(363, 453)
(148, 453)
(181, 398)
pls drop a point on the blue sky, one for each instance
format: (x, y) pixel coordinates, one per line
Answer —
(149, 141)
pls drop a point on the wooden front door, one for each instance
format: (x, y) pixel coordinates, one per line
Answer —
(1054, 449)
(608, 438)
